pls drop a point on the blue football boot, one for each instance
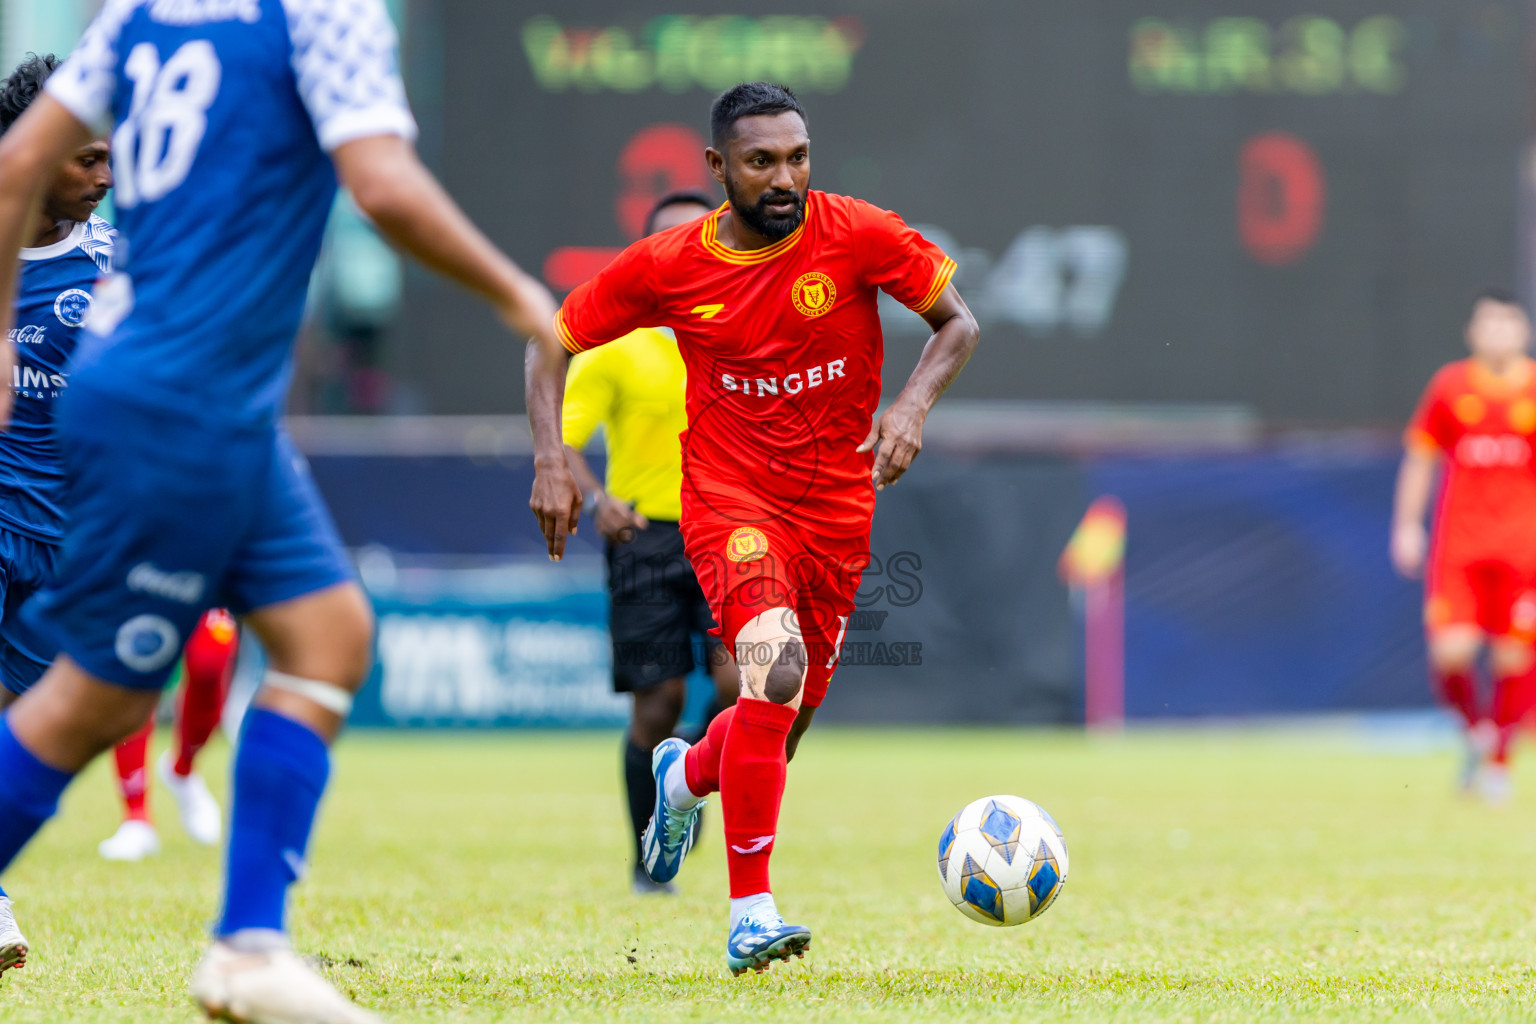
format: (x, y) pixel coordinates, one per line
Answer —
(757, 940)
(670, 833)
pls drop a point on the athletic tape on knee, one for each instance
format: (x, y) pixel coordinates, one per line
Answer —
(760, 642)
(333, 698)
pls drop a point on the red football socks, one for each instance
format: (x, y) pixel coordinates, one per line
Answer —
(1513, 699)
(752, 768)
(210, 661)
(132, 781)
(1459, 690)
(701, 765)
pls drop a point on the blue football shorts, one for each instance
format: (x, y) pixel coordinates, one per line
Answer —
(171, 514)
(26, 565)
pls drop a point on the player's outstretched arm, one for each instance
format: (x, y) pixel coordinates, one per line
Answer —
(39, 141)
(899, 430)
(556, 500)
(390, 184)
(402, 198)
(1415, 483)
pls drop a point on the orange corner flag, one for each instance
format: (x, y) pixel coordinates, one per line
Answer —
(1097, 548)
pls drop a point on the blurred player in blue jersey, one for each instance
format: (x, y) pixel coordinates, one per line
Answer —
(233, 121)
(68, 248)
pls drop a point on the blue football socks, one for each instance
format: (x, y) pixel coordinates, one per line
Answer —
(29, 797)
(279, 775)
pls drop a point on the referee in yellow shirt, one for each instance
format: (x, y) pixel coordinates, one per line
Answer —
(633, 388)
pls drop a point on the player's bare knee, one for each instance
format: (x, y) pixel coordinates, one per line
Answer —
(786, 675)
(1453, 660)
(1511, 656)
(771, 658)
(1455, 650)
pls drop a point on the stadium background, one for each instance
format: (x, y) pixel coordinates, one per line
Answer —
(1216, 250)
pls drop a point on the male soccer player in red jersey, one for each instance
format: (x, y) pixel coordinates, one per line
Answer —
(773, 301)
(208, 663)
(1476, 420)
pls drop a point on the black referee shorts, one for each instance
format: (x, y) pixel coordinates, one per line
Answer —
(657, 610)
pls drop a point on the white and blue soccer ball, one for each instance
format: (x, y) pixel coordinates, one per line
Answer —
(1003, 860)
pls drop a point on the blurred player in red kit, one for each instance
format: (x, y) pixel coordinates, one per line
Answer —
(773, 302)
(208, 662)
(1475, 422)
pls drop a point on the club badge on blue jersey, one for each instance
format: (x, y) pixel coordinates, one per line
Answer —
(72, 307)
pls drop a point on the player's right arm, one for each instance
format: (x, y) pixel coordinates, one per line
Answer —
(37, 144)
(1428, 435)
(1410, 537)
(618, 300)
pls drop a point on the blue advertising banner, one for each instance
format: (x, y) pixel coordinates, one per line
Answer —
(490, 648)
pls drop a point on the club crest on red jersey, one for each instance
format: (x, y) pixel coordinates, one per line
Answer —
(746, 544)
(1522, 416)
(1469, 409)
(813, 293)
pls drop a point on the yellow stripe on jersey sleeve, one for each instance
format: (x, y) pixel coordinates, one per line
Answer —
(564, 333)
(940, 282)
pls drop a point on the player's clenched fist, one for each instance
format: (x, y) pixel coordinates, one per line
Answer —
(556, 503)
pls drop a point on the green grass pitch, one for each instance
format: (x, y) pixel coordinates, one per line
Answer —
(1216, 876)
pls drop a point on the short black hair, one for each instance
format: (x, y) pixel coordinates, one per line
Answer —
(678, 198)
(21, 88)
(1494, 293)
(749, 99)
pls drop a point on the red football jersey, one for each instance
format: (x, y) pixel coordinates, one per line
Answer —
(783, 351)
(1483, 425)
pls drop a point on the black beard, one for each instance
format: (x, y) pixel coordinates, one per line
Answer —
(771, 226)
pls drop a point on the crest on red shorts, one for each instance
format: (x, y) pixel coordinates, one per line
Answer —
(746, 544)
(813, 294)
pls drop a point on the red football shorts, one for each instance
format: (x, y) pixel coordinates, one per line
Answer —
(1496, 597)
(748, 569)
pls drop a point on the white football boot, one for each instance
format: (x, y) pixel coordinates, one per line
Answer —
(199, 811)
(13, 947)
(133, 840)
(271, 987)
(1494, 785)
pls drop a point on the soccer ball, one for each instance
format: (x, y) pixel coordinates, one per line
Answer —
(1002, 860)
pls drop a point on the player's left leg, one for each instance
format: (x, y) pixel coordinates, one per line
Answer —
(1456, 607)
(1488, 612)
(1512, 661)
(742, 752)
(772, 656)
(291, 573)
(1513, 665)
(209, 661)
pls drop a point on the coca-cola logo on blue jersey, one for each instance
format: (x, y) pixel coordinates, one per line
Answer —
(72, 307)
